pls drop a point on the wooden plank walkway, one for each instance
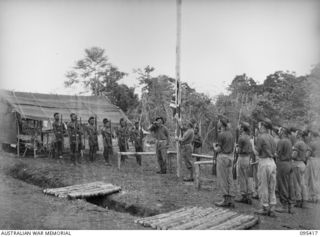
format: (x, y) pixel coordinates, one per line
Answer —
(83, 190)
(199, 218)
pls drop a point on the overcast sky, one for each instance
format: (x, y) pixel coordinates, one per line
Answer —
(40, 39)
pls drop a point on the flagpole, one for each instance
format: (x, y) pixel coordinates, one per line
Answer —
(178, 89)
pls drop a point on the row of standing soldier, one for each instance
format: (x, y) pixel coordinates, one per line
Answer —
(76, 130)
(272, 163)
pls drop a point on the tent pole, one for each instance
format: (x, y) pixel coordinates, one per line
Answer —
(18, 143)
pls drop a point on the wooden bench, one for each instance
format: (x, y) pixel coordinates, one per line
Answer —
(142, 154)
(197, 164)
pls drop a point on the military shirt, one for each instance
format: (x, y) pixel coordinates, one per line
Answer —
(197, 141)
(58, 130)
(107, 136)
(244, 144)
(284, 149)
(315, 148)
(74, 132)
(160, 132)
(123, 135)
(137, 137)
(301, 148)
(226, 142)
(93, 135)
(265, 146)
(187, 137)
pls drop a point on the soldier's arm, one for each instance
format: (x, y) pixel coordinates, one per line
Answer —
(186, 136)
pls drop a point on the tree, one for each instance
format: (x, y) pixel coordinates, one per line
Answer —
(156, 95)
(90, 70)
(96, 73)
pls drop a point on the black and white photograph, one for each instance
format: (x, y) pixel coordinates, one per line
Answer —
(159, 115)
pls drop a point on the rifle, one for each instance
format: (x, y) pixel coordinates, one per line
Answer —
(215, 154)
(77, 138)
(235, 154)
(96, 129)
(253, 159)
(81, 148)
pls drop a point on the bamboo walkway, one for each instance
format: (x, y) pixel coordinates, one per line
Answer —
(199, 218)
(83, 190)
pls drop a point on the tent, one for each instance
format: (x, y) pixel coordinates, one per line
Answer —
(41, 107)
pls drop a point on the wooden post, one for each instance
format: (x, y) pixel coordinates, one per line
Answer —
(119, 160)
(34, 139)
(18, 144)
(178, 86)
(197, 175)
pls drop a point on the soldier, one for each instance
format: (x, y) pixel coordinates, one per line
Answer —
(107, 141)
(137, 138)
(224, 148)
(197, 142)
(161, 134)
(299, 167)
(123, 135)
(313, 169)
(93, 138)
(244, 149)
(58, 130)
(74, 139)
(285, 172)
(186, 148)
(265, 148)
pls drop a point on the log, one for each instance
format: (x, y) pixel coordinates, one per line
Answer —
(199, 214)
(158, 224)
(247, 225)
(216, 221)
(232, 223)
(187, 218)
(95, 192)
(199, 221)
(197, 176)
(210, 157)
(162, 223)
(214, 213)
(160, 216)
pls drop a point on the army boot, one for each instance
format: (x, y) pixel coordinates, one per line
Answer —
(263, 211)
(290, 208)
(272, 212)
(282, 209)
(230, 201)
(243, 199)
(223, 203)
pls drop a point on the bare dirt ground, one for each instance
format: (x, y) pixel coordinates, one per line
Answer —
(142, 189)
(24, 206)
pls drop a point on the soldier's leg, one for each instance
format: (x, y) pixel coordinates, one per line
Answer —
(60, 152)
(272, 172)
(222, 176)
(186, 152)
(123, 148)
(138, 157)
(297, 184)
(164, 157)
(73, 152)
(78, 154)
(263, 187)
(304, 193)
